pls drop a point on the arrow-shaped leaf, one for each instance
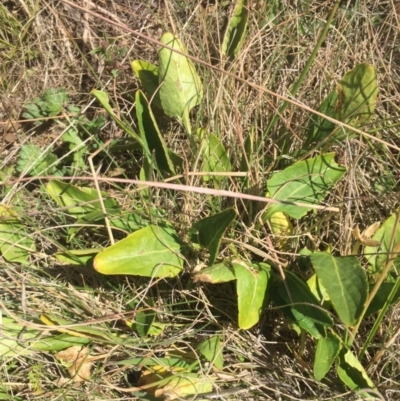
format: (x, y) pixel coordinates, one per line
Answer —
(153, 251)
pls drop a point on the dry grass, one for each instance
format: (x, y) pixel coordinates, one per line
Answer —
(50, 44)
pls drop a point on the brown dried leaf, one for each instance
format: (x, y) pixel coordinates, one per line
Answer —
(364, 237)
(356, 233)
(371, 230)
(77, 362)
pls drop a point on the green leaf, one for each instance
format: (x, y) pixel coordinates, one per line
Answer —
(211, 349)
(15, 242)
(58, 343)
(147, 74)
(327, 351)
(71, 136)
(181, 88)
(55, 98)
(319, 127)
(32, 160)
(318, 289)
(351, 372)
(102, 97)
(77, 256)
(251, 287)
(150, 252)
(345, 282)
(151, 135)
(236, 30)
(15, 338)
(78, 200)
(378, 256)
(304, 307)
(127, 221)
(52, 104)
(215, 158)
(352, 101)
(4, 396)
(119, 219)
(307, 181)
(32, 110)
(357, 93)
(208, 232)
(215, 274)
(76, 145)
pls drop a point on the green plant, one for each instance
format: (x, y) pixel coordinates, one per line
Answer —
(174, 84)
(235, 30)
(330, 307)
(50, 105)
(342, 280)
(31, 159)
(110, 54)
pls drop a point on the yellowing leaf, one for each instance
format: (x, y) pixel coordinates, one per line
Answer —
(161, 383)
(351, 372)
(185, 385)
(281, 226)
(219, 273)
(150, 252)
(317, 288)
(83, 332)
